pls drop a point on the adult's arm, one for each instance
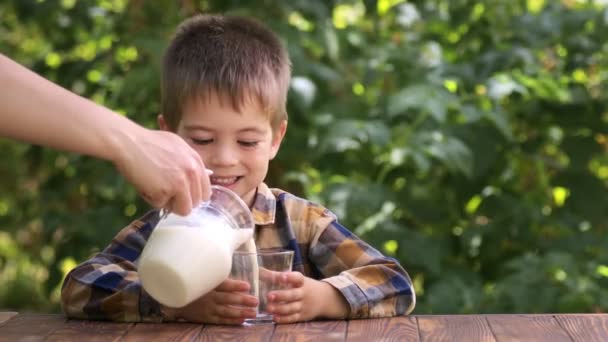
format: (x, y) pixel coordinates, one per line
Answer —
(161, 165)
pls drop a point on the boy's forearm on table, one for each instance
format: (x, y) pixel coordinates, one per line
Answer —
(367, 303)
(333, 303)
(76, 301)
(88, 293)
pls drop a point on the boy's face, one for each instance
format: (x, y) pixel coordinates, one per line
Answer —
(236, 146)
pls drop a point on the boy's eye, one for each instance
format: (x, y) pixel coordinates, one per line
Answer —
(248, 143)
(201, 141)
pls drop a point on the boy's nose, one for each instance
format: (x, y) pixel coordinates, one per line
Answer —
(224, 156)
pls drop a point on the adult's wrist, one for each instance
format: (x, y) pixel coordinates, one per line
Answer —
(119, 138)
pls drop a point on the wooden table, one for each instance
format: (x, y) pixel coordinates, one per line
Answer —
(571, 327)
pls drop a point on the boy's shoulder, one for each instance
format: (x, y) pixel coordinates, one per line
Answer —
(295, 205)
(283, 196)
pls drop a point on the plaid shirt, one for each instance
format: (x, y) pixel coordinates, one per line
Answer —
(108, 287)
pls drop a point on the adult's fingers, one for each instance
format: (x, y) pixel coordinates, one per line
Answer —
(189, 194)
(158, 200)
(192, 186)
(181, 202)
(205, 183)
(200, 182)
(194, 176)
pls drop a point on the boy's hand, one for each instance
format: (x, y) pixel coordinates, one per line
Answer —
(305, 299)
(229, 303)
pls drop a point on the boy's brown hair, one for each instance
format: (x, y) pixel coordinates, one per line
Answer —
(235, 58)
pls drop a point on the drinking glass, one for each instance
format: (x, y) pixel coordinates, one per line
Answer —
(262, 270)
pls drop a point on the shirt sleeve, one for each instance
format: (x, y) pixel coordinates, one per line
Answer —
(374, 285)
(107, 286)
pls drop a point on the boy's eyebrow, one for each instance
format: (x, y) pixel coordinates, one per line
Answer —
(252, 129)
(196, 128)
(242, 130)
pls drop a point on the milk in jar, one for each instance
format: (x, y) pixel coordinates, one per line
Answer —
(186, 257)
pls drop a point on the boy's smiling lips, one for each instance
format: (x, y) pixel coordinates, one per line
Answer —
(224, 180)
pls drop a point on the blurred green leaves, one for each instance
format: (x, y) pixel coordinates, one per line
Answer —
(466, 138)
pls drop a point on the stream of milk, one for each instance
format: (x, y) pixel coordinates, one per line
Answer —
(250, 247)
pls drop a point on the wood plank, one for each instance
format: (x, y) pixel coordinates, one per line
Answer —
(86, 330)
(5, 316)
(30, 327)
(585, 327)
(164, 332)
(237, 333)
(311, 331)
(455, 328)
(527, 328)
(402, 328)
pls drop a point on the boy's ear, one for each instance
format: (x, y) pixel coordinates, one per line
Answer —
(162, 124)
(277, 138)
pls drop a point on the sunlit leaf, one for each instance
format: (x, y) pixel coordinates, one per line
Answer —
(424, 97)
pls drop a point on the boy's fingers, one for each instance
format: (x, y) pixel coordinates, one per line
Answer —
(233, 285)
(232, 312)
(285, 309)
(235, 298)
(287, 319)
(294, 279)
(286, 296)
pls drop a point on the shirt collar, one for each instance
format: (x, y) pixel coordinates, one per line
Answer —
(264, 206)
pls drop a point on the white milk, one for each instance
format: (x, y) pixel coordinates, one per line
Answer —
(250, 247)
(181, 263)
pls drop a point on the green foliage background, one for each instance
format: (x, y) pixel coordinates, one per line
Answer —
(466, 138)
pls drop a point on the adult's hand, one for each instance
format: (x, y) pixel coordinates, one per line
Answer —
(166, 171)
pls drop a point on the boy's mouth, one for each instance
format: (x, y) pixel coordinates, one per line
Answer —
(224, 181)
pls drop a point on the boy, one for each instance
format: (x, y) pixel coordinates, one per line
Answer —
(224, 90)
